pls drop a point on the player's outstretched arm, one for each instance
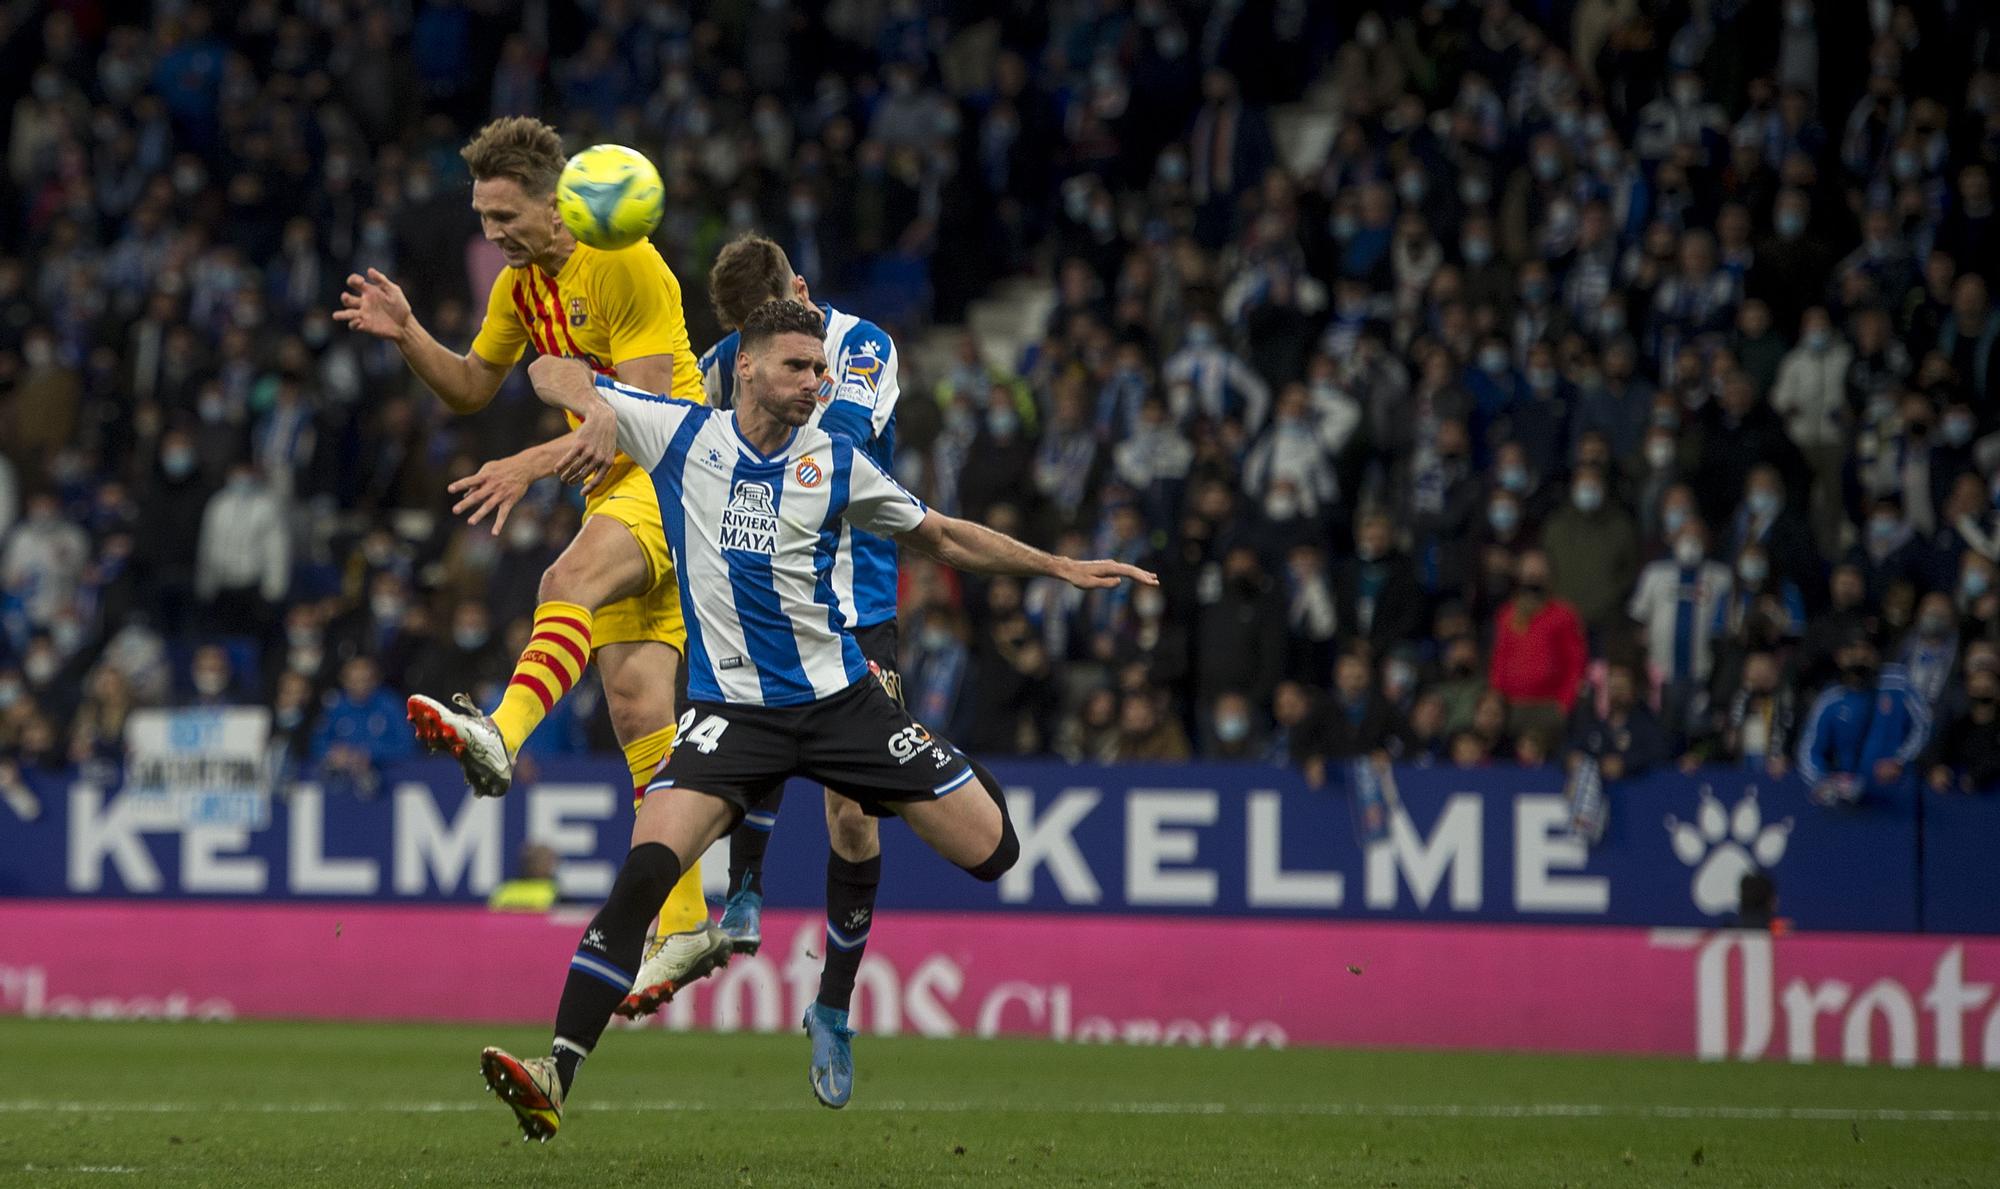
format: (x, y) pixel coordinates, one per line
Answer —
(495, 488)
(375, 305)
(568, 384)
(963, 545)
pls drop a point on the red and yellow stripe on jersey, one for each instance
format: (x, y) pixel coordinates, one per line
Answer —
(605, 308)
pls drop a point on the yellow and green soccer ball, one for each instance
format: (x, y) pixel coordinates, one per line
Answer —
(610, 196)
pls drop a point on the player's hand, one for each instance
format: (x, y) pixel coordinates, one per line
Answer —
(374, 304)
(591, 450)
(494, 489)
(1103, 575)
(1888, 771)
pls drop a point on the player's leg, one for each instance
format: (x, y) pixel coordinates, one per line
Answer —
(639, 680)
(967, 823)
(853, 872)
(672, 822)
(602, 565)
(743, 911)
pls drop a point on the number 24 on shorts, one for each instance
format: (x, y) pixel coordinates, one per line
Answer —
(705, 735)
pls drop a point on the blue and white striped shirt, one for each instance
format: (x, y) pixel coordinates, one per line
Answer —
(858, 401)
(754, 538)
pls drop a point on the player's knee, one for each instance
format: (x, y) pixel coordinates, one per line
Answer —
(1008, 851)
(651, 869)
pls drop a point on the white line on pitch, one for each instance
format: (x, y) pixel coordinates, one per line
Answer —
(1359, 1110)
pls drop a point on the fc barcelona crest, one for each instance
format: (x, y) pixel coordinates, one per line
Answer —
(577, 316)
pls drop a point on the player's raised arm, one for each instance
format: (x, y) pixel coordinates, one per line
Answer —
(963, 545)
(611, 417)
(374, 304)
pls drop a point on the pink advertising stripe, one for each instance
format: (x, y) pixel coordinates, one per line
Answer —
(1071, 977)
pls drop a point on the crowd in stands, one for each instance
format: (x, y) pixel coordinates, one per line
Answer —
(1615, 378)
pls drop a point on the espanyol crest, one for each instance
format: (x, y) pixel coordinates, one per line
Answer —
(808, 472)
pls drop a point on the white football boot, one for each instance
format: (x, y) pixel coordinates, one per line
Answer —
(469, 735)
(673, 962)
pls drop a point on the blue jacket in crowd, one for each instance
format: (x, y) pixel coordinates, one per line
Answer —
(1850, 730)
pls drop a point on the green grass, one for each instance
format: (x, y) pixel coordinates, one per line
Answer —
(312, 1104)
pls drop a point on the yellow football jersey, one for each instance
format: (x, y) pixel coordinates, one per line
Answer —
(603, 308)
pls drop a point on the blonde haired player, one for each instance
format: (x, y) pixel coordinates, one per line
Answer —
(612, 594)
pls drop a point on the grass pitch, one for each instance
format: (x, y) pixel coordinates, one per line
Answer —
(322, 1104)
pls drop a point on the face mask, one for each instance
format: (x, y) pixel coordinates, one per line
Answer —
(1763, 503)
(1535, 292)
(1002, 423)
(1934, 626)
(1232, 729)
(469, 638)
(1958, 429)
(208, 683)
(1790, 224)
(1477, 251)
(289, 717)
(1611, 320)
(1514, 479)
(10, 693)
(1588, 497)
(1493, 360)
(1883, 528)
(1548, 167)
(1542, 378)
(1973, 585)
(1281, 507)
(302, 637)
(386, 607)
(1201, 334)
(1673, 520)
(1817, 339)
(1905, 164)
(66, 636)
(936, 639)
(804, 210)
(1753, 570)
(178, 464)
(1608, 159)
(1687, 94)
(41, 667)
(1687, 551)
(1148, 604)
(1412, 187)
(1344, 227)
(1474, 190)
(1659, 454)
(1503, 517)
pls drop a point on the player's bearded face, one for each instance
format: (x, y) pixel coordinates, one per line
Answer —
(785, 374)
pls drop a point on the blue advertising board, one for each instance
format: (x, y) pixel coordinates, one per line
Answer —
(1487, 844)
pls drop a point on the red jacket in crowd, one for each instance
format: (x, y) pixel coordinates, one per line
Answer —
(1541, 660)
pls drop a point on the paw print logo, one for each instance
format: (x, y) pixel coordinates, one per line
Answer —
(1724, 845)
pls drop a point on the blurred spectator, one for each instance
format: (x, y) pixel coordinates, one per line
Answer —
(1538, 649)
(533, 887)
(1863, 732)
(1679, 605)
(1230, 731)
(212, 679)
(1928, 653)
(1811, 394)
(1965, 755)
(1145, 735)
(1380, 603)
(1593, 551)
(1241, 632)
(1302, 731)
(360, 730)
(1757, 724)
(244, 562)
(1360, 721)
(1626, 739)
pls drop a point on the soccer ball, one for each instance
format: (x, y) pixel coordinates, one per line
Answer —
(610, 196)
